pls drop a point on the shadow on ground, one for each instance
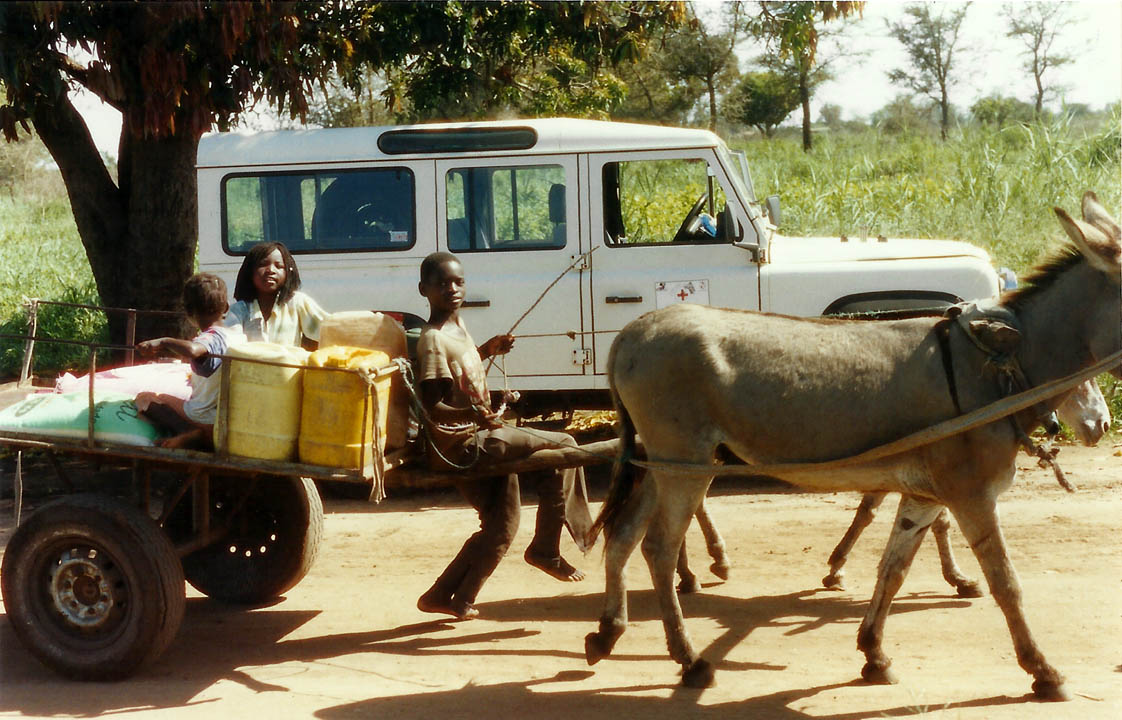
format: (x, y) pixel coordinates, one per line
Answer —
(216, 640)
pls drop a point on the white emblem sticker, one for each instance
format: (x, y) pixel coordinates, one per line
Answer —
(680, 291)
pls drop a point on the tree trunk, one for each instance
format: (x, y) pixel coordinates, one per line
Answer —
(712, 103)
(163, 221)
(804, 98)
(944, 115)
(157, 192)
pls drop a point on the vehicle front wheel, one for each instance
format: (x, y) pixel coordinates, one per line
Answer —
(92, 587)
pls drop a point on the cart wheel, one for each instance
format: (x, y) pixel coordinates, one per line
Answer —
(92, 587)
(272, 541)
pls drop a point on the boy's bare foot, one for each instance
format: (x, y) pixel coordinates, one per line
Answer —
(432, 603)
(555, 567)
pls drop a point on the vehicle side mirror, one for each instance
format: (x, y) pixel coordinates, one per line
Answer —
(772, 204)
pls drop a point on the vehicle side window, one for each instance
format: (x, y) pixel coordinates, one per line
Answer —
(334, 211)
(505, 208)
(655, 202)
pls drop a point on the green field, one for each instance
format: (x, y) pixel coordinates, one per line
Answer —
(41, 256)
(991, 187)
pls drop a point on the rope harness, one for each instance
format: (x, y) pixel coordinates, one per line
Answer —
(994, 331)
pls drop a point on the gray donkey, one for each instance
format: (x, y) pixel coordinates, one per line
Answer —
(770, 390)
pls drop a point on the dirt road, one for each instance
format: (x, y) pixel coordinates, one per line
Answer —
(348, 641)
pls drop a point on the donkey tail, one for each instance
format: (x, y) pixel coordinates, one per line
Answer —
(624, 476)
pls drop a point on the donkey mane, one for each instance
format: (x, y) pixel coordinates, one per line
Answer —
(1042, 277)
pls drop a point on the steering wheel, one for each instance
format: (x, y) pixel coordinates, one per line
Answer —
(687, 227)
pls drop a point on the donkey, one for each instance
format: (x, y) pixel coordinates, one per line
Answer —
(1084, 410)
(791, 393)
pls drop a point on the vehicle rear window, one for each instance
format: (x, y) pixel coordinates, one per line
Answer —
(330, 211)
(506, 208)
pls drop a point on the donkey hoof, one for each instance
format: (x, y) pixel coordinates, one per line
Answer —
(699, 674)
(969, 589)
(688, 586)
(1050, 691)
(720, 569)
(833, 581)
(878, 674)
(595, 648)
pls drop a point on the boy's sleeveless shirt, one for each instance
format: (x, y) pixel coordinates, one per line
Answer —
(441, 355)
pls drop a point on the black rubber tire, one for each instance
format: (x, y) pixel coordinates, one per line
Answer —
(273, 540)
(92, 587)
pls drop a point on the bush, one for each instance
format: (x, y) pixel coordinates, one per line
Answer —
(41, 256)
(56, 322)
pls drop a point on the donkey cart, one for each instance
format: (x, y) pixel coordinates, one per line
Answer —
(93, 580)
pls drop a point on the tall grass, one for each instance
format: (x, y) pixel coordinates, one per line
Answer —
(990, 187)
(41, 256)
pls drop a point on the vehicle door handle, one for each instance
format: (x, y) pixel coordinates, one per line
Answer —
(475, 303)
(617, 299)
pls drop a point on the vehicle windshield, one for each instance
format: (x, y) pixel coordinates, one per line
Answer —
(742, 180)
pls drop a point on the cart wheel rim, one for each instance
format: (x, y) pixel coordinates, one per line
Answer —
(86, 590)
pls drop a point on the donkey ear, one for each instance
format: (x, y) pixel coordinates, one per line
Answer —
(1096, 214)
(1103, 253)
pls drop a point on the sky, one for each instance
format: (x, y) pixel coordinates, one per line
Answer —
(1095, 78)
(1094, 39)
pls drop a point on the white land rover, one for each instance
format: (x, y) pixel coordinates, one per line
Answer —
(646, 215)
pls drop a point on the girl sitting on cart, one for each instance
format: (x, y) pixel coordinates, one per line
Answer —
(269, 306)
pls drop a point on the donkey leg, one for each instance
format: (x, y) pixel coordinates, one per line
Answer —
(979, 523)
(866, 511)
(966, 587)
(713, 541)
(618, 547)
(667, 528)
(687, 581)
(913, 518)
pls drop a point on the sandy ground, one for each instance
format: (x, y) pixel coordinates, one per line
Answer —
(348, 641)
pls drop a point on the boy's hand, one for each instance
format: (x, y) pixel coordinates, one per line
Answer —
(149, 348)
(490, 420)
(498, 345)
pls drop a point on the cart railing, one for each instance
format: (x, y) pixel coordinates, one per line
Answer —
(33, 304)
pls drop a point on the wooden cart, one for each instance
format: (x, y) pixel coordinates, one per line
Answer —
(93, 582)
